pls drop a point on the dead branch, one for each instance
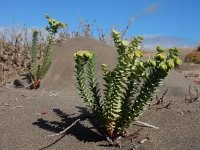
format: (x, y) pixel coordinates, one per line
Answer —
(147, 125)
(166, 106)
(130, 22)
(54, 94)
(119, 141)
(28, 85)
(144, 140)
(65, 130)
(161, 99)
(133, 135)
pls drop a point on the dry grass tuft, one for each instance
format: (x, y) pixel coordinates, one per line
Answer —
(193, 57)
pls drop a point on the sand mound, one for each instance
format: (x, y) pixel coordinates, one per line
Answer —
(61, 74)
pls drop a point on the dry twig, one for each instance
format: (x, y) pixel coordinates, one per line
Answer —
(147, 125)
(27, 86)
(65, 130)
(119, 141)
(166, 106)
(161, 99)
(144, 140)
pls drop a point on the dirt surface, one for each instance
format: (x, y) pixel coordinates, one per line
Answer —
(27, 118)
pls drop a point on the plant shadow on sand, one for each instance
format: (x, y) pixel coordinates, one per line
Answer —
(79, 130)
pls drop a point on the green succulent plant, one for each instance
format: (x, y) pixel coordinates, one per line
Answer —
(38, 70)
(128, 88)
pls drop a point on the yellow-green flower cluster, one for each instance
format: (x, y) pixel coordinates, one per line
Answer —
(164, 61)
(85, 55)
(132, 48)
(54, 24)
(116, 37)
(160, 49)
(104, 68)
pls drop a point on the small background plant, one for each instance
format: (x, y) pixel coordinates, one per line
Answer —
(128, 88)
(38, 70)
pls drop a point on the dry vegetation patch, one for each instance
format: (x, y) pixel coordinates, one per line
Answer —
(15, 48)
(193, 57)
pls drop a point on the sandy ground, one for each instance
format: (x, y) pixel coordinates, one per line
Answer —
(27, 118)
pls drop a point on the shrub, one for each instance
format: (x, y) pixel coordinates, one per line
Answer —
(198, 49)
(193, 57)
(128, 88)
(39, 70)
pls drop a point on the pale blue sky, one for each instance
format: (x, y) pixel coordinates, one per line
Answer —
(169, 22)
